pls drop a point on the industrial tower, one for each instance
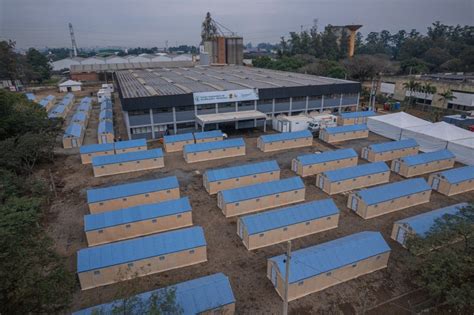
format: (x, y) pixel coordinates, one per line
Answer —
(73, 41)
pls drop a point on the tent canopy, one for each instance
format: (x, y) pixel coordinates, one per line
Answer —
(463, 149)
(391, 125)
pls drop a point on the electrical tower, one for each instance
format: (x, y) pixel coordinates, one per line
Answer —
(73, 41)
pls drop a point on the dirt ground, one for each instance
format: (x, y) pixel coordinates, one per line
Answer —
(254, 293)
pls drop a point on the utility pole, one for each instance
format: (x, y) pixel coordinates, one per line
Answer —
(287, 271)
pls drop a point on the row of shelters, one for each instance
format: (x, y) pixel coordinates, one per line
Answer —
(61, 109)
(105, 131)
(74, 135)
(88, 152)
(175, 143)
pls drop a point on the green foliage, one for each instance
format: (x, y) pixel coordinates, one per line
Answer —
(284, 63)
(8, 62)
(39, 64)
(444, 263)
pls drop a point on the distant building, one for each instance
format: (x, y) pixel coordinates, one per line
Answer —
(70, 86)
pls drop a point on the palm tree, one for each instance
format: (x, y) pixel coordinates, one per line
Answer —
(427, 88)
(411, 86)
(446, 96)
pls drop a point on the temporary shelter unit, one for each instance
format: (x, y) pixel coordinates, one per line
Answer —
(106, 104)
(141, 256)
(106, 115)
(436, 136)
(127, 162)
(132, 194)
(59, 111)
(70, 86)
(463, 149)
(68, 100)
(454, 181)
(112, 226)
(391, 150)
(80, 118)
(30, 97)
(354, 118)
(276, 226)
(130, 146)
(219, 179)
(207, 295)
(48, 102)
(285, 140)
(92, 150)
(176, 143)
(208, 136)
(423, 163)
(343, 133)
(419, 225)
(73, 136)
(318, 267)
(353, 177)
(213, 150)
(311, 164)
(85, 106)
(391, 125)
(105, 132)
(380, 200)
(252, 198)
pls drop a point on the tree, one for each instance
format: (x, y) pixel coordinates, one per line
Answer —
(412, 86)
(447, 96)
(365, 67)
(444, 260)
(428, 88)
(8, 62)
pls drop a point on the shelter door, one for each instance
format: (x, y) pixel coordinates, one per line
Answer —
(401, 234)
(321, 182)
(104, 138)
(274, 276)
(74, 143)
(435, 184)
(396, 167)
(294, 165)
(241, 230)
(365, 153)
(354, 202)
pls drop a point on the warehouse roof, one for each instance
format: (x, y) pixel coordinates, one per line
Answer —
(180, 137)
(105, 126)
(242, 170)
(139, 248)
(133, 214)
(286, 136)
(356, 171)
(206, 146)
(327, 156)
(127, 157)
(127, 144)
(422, 223)
(349, 128)
(128, 65)
(131, 189)
(73, 130)
(270, 220)
(459, 174)
(79, 116)
(367, 113)
(393, 145)
(92, 148)
(427, 157)
(208, 134)
(311, 261)
(194, 296)
(262, 189)
(393, 190)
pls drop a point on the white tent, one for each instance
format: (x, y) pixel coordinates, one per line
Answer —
(463, 149)
(436, 136)
(391, 125)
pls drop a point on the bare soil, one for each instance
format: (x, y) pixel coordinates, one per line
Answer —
(254, 293)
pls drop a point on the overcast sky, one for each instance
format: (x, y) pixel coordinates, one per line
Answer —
(149, 23)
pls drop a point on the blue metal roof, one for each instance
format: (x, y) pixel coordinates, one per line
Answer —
(312, 261)
(106, 104)
(127, 157)
(139, 248)
(86, 100)
(270, 220)
(133, 214)
(422, 223)
(131, 189)
(460, 174)
(356, 171)
(391, 191)
(262, 189)
(30, 96)
(367, 113)
(67, 99)
(393, 145)
(105, 126)
(286, 136)
(207, 146)
(179, 137)
(327, 156)
(207, 134)
(92, 148)
(349, 128)
(242, 170)
(194, 296)
(106, 114)
(59, 109)
(120, 145)
(84, 107)
(73, 130)
(79, 116)
(427, 157)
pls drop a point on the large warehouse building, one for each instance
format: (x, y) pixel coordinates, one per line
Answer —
(175, 100)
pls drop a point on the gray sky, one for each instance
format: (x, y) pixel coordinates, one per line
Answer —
(148, 23)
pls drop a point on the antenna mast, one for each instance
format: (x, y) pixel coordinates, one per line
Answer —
(73, 40)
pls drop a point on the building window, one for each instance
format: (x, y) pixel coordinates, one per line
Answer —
(378, 257)
(376, 206)
(258, 199)
(285, 229)
(328, 273)
(138, 162)
(307, 223)
(147, 195)
(124, 199)
(162, 257)
(277, 196)
(153, 221)
(130, 265)
(102, 166)
(96, 272)
(101, 203)
(168, 191)
(218, 183)
(100, 231)
(328, 218)
(254, 176)
(237, 179)
(191, 251)
(300, 283)
(127, 226)
(179, 216)
(261, 234)
(354, 265)
(236, 204)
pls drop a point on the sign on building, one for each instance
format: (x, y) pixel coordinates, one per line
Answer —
(214, 97)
